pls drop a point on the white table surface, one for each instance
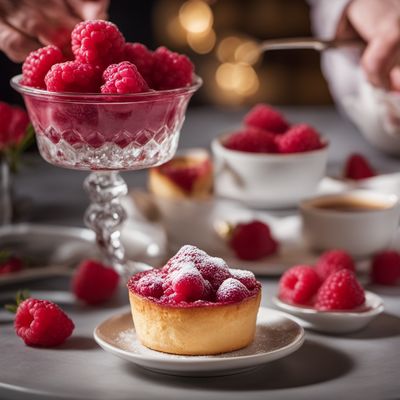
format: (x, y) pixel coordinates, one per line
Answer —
(364, 365)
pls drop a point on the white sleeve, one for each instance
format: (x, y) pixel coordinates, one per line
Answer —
(371, 109)
(325, 16)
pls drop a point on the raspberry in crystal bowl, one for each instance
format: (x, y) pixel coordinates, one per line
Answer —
(115, 106)
(194, 305)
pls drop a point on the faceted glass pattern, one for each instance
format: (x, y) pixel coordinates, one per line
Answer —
(107, 132)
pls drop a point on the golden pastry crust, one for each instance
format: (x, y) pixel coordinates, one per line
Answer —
(204, 330)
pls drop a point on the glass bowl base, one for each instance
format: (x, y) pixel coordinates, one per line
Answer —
(108, 156)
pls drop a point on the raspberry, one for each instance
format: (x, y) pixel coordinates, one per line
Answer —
(13, 124)
(72, 76)
(252, 241)
(187, 283)
(246, 277)
(97, 42)
(10, 265)
(142, 57)
(185, 174)
(150, 286)
(93, 282)
(340, 291)
(213, 269)
(42, 323)
(333, 261)
(19, 124)
(385, 269)
(171, 70)
(298, 139)
(38, 63)
(123, 78)
(231, 290)
(265, 117)
(299, 284)
(357, 167)
(251, 140)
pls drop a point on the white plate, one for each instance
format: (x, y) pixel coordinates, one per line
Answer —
(277, 336)
(55, 250)
(335, 321)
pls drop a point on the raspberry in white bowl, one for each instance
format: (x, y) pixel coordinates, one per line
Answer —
(268, 163)
(195, 305)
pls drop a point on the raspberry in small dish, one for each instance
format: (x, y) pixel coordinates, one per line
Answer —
(194, 305)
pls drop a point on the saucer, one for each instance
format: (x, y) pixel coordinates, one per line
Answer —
(335, 322)
(277, 336)
(55, 250)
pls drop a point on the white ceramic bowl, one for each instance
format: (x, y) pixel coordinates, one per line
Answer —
(360, 233)
(335, 321)
(267, 180)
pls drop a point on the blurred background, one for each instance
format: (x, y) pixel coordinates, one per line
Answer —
(220, 37)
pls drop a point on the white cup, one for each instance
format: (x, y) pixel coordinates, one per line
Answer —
(361, 233)
(267, 180)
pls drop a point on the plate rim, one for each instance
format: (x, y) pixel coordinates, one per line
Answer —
(292, 347)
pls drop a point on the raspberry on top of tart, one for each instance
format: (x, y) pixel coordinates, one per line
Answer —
(186, 175)
(195, 305)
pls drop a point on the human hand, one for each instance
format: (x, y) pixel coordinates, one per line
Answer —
(378, 24)
(26, 25)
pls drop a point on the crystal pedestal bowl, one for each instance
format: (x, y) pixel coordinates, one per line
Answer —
(106, 134)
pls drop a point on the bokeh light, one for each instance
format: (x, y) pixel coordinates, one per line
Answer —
(196, 16)
(240, 78)
(201, 43)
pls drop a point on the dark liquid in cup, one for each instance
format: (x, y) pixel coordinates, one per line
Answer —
(351, 205)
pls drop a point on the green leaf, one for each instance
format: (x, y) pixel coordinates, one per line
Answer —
(13, 154)
(12, 308)
(20, 297)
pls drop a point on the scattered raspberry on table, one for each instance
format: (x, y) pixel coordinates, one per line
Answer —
(10, 264)
(385, 268)
(41, 323)
(253, 241)
(357, 167)
(94, 283)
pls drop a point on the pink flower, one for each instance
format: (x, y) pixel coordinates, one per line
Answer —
(13, 124)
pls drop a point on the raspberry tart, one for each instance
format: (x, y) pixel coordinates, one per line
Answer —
(194, 305)
(189, 175)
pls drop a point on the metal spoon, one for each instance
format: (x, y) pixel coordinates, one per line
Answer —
(307, 43)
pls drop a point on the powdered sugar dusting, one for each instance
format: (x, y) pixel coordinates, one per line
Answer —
(232, 290)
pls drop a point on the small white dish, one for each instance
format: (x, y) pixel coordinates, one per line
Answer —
(360, 233)
(335, 322)
(267, 180)
(277, 336)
